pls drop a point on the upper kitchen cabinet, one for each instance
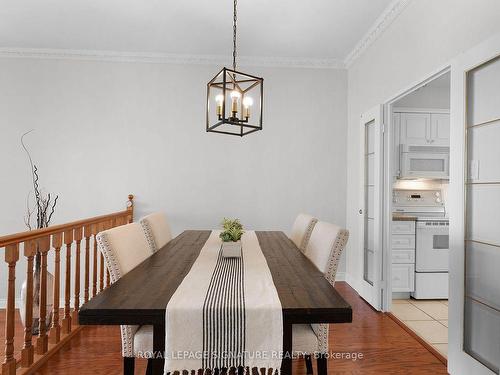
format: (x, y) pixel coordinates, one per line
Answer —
(424, 129)
(421, 143)
(440, 129)
(415, 128)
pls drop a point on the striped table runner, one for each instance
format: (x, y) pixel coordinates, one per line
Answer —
(225, 313)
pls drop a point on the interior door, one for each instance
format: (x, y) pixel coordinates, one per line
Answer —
(474, 194)
(370, 211)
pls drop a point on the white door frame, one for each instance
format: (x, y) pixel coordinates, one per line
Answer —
(458, 361)
(372, 292)
(388, 181)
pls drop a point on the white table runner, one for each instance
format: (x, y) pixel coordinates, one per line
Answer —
(225, 313)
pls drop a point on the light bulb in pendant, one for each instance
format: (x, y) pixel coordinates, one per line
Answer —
(219, 99)
(235, 95)
(247, 103)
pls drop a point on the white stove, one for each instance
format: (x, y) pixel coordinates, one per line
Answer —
(432, 240)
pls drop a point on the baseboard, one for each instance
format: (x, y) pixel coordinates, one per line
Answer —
(340, 276)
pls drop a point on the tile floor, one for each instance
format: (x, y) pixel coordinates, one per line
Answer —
(427, 318)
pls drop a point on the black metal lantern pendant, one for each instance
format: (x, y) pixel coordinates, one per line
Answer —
(237, 99)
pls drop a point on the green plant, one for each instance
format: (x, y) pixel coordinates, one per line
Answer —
(233, 230)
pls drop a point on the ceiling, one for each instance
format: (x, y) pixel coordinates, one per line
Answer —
(313, 29)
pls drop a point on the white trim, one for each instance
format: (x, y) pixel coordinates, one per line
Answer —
(164, 58)
(340, 276)
(394, 9)
(420, 110)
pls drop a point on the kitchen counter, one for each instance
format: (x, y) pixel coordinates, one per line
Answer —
(401, 217)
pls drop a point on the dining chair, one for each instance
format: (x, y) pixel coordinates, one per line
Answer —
(302, 229)
(124, 248)
(156, 230)
(324, 250)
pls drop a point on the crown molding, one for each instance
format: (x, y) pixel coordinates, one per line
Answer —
(381, 24)
(162, 58)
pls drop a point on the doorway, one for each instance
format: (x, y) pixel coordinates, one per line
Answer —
(416, 189)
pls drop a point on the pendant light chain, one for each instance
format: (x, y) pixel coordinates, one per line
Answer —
(234, 34)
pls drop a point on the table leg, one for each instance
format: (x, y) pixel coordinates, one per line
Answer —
(286, 363)
(158, 348)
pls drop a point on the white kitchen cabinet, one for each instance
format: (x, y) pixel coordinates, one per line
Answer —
(424, 129)
(403, 277)
(403, 256)
(415, 128)
(403, 241)
(440, 129)
(403, 227)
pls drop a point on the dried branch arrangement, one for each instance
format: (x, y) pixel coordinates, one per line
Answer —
(44, 203)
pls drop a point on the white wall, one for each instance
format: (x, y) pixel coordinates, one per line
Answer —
(424, 38)
(426, 97)
(104, 130)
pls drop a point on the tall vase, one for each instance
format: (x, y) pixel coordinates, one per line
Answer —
(36, 302)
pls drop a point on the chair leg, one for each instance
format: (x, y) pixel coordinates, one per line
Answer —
(128, 365)
(149, 369)
(309, 365)
(322, 365)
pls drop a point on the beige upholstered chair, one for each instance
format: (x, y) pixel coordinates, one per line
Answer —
(157, 230)
(124, 248)
(324, 249)
(302, 229)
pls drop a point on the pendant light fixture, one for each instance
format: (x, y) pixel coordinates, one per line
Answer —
(234, 99)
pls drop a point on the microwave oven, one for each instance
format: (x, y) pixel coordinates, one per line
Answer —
(425, 162)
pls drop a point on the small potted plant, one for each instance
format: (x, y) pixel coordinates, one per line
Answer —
(231, 238)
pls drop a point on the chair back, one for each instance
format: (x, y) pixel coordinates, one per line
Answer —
(123, 248)
(156, 230)
(302, 229)
(325, 248)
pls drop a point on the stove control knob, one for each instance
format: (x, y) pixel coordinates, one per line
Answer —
(438, 200)
(437, 194)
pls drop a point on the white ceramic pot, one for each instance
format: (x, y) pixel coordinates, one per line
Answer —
(36, 306)
(231, 249)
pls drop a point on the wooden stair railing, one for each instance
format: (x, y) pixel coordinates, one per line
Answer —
(49, 340)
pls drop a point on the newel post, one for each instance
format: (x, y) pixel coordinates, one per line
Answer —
(11, 258)
(130, 208)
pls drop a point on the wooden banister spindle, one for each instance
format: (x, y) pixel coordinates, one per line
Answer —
(11, 258)
(94, 263)
(55, 330)
(28, 351)
(42, 342)
(66, 322)
(87, 233)
(76, 304)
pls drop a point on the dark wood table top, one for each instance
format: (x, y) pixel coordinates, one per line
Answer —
(141, 296)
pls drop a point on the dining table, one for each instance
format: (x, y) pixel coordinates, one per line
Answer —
(141, 296)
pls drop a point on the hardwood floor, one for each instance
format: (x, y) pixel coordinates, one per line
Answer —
(385, 348)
